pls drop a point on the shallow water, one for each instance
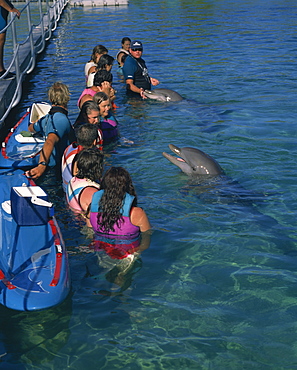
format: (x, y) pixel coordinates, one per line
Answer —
(216, 289)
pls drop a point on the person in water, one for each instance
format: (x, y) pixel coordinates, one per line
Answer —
(108, 123)
(86, 137)
(105, 63)
(115, 218)
(85, 182)
(57, 129)
(102, 82)
(136, 73)
(90, 113)
(91, 65)
(124, 51)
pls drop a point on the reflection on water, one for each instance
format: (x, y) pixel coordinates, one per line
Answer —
(216, 289)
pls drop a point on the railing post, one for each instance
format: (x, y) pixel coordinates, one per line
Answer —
(17, 96)
(42, 26)
(55, 16)
(48, 20)
(14, 43)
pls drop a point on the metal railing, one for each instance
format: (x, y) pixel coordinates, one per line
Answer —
(24, 53)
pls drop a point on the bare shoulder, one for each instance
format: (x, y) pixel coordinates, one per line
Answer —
(137, 212)
(139, 218)
(86, 196)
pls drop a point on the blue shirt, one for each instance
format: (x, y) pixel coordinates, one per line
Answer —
(58, 124)
(135, 69)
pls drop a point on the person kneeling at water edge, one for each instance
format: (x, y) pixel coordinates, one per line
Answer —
(85, 182)
(55, 127)
(120, 226)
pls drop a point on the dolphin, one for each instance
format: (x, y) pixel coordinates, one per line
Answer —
(163, 95)
(194, 162)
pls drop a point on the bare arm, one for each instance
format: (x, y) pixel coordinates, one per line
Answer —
(154, 81)
(140, 219)
(86, 196)
(31, 127)
(145, 240)
(84, 99)
(92, 69)
(134, 88)
(45, 154)
(105, 87)
(6, 6)
(119, 58)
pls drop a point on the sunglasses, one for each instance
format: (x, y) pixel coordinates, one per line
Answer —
(136, 49)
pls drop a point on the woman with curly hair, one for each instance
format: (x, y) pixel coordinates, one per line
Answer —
(115, 217)
(86, 181)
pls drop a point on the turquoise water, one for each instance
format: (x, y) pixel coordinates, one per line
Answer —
(217, 287)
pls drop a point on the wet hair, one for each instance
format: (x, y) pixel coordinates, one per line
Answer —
(59, 94)
(116, 183)
(89, 164)
(86, 135)
(98, 49)
(87, 107)
(124, 39)
(99, 97)
(102, 76)
(104, 60)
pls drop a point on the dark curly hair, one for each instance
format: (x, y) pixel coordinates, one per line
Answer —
(104, 60)
(102, 76)
(116, 183)
(89, 164)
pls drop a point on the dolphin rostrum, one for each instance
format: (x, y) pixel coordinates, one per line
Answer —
(193, 161)
(163, 95)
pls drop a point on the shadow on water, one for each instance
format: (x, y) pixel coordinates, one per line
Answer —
(33, 337)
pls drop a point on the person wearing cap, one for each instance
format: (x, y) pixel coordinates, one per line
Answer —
(135, 72)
